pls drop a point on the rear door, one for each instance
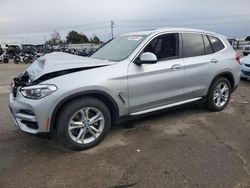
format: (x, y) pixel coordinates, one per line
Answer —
(199, 61)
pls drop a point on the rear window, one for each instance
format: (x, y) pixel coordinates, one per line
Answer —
(192, 45)
(216, 43)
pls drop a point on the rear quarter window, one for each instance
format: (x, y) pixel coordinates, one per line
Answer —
(216, 43)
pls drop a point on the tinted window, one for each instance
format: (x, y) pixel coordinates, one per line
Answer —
(192, 45)
(164, 47)
(208, 48)
(216, 43)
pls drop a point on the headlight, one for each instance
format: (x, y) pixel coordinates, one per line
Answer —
(38, 91)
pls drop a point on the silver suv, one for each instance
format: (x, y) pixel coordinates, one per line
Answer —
(131, 75)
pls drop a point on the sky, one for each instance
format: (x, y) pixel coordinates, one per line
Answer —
(33, 21)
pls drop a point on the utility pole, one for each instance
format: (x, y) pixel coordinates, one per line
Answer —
(112, 29)
(44, 38)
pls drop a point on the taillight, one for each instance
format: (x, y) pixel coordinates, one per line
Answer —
(238, 58)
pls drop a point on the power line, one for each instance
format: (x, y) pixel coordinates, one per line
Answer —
(181, 19)
(96, 26)
(185, 24)
(91, 26)
(88, 25)
(48, 33)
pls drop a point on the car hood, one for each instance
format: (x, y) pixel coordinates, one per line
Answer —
(58, 61)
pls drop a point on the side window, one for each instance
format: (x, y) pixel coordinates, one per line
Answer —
(164, 47)
(216, 43)
(207, 45)
(192, 45)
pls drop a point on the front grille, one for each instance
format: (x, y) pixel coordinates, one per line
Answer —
(30, 124)
(247, 65)
(246, 73)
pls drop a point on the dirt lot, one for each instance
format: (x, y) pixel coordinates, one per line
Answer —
(189, 147)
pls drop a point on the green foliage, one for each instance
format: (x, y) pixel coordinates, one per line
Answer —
(95, 40)
(76, 38)
(247, 38)
(55, 39)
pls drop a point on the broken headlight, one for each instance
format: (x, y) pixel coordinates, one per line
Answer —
(38, 91)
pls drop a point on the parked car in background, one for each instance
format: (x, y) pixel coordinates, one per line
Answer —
(133, 74)
(246, 50)
(245, 67)
(12, 50)
(28, 48)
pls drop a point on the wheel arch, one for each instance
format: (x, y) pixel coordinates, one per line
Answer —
(227, 75)
(100, 95)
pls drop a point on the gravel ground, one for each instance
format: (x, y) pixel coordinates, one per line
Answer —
(188, 147)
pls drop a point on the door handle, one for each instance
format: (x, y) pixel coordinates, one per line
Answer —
(214, 61)
(176, 67)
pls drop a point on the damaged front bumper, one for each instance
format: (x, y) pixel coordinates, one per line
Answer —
(31, 116)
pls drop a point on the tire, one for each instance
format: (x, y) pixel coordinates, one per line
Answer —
(243, 78)
(25, 60)
(6, 60)
(213, 101)
(75, 111)
(16, 60)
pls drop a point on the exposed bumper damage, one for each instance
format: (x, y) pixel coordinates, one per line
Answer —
(25, 110)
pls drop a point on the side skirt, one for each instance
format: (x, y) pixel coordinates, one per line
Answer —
(165, 106)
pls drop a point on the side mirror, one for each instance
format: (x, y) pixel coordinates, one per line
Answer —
(147, 58)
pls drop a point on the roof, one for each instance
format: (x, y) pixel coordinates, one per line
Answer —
(160, 30)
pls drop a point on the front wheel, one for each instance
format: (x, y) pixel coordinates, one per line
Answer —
(83, 123)
(219, 94)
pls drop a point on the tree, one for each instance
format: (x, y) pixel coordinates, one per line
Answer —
(56, 36)
(76, 38)
(247, 38)
(95, 40)
(55, 39)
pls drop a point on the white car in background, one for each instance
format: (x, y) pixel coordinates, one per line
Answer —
(246, 50)
(245, 67)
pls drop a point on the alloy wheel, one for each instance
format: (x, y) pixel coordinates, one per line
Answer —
(86, 125)
(221, 94)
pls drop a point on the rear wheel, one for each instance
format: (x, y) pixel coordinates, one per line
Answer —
(219, 94)
(83, 123)
(26, 60)
(16, 60)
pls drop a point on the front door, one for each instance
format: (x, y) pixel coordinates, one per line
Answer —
(155, 85)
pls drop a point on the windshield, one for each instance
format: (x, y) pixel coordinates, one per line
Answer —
(119, 48)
